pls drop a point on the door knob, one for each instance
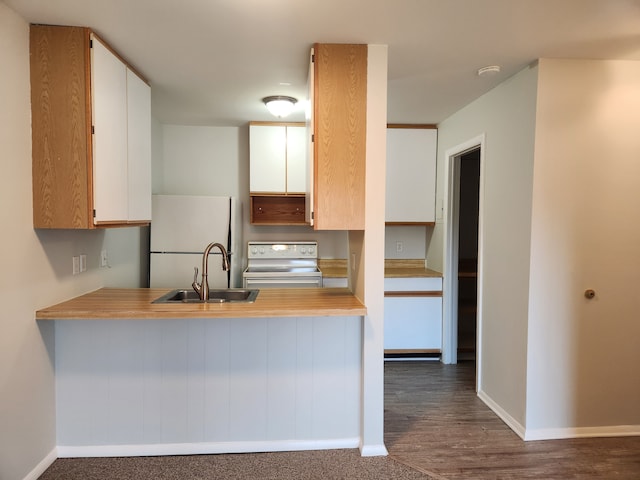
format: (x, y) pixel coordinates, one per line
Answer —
(589, 294)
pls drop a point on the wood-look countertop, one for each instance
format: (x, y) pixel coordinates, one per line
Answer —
(135, 303)
(337, 268)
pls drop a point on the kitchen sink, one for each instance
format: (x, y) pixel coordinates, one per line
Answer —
(223, 295)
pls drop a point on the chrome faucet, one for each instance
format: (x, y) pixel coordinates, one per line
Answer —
(202, 288)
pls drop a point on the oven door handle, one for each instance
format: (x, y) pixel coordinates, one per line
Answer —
(283, 281)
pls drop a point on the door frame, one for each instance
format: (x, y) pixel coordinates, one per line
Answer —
(450, 286)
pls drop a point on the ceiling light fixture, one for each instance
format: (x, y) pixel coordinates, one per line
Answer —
(489, 71)
(280, 105)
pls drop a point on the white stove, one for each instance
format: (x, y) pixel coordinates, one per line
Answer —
(282, 265)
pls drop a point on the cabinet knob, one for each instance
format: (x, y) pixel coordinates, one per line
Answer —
(589, 294)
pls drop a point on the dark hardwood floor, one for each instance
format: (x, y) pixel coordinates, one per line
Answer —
(434, 422)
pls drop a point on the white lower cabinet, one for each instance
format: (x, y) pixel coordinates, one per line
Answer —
(413, 315)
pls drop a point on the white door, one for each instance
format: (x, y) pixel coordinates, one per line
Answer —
(267, 158)
(139, 147)
(109, 109)
(296, 159)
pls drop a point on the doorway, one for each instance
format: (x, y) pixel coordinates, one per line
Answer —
(467, 273)
(463, 247)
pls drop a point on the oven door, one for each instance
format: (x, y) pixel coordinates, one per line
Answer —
(282, 282)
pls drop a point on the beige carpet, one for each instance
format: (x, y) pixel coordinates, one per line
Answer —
(307, 465)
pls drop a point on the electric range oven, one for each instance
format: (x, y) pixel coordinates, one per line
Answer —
(282, 265)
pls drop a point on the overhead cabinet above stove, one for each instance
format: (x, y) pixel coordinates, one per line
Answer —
(277, 172)
(91, 133)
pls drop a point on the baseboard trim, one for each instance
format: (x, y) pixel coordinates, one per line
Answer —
(42, 466)
(373, 451)
(529, 434)
(582, 432)
(511, 422)
(65, 451)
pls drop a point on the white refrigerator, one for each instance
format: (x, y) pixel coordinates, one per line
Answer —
(181, 228)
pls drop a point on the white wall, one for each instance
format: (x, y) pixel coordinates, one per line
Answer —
(583, 358)
(506, 116)
(36, 272)
(414, 241)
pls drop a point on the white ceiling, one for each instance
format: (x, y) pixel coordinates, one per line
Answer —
(210, 62)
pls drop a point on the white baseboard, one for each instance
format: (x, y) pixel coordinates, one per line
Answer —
(373, 451)
(529, 434)
(203, 448)
(582, 432)
(42, 466)
(512, 423)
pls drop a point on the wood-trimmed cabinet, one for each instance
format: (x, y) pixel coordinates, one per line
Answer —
(91, 133)
(411, 175)
(277, 172)
(413, 315)
(338, 96)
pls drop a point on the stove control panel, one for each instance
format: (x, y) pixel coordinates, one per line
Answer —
(284, 250)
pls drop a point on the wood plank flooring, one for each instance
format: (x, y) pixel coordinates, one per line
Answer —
(434, 422)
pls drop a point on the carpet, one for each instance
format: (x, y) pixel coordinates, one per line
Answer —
(305, 465)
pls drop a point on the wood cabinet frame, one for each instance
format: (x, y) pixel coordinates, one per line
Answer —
(62, 152)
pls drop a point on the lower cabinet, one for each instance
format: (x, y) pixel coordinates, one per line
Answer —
(413, 315)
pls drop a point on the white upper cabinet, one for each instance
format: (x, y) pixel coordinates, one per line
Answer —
(109, 109)
(277, 160)
(411, 175)
(267, 158)
(121, 108)
(296, 159)
(139, 147)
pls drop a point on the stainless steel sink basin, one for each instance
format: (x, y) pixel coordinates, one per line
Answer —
(225, 295)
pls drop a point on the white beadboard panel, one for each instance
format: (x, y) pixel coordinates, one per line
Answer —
(216, 394)
(281, 377)
(304, 380)
(173, 370)
(226, 381)
(248, 379)
(152, 384)
(125, 391)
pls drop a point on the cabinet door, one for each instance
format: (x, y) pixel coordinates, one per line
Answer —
(267, 158)
(139, 148)
(413, 323)
(109, 108)
(340, 112)
(411, 175)
(310, 160)
(296, 159)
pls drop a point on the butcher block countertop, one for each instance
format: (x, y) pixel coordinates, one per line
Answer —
(135, 303)
(337, 268)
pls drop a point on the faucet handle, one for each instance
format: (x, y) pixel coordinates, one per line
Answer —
(196, 286)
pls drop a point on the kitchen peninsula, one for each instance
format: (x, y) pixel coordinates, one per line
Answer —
(136, 378)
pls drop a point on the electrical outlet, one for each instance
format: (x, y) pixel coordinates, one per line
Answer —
(83, 263)
(104, 258)
(353, 262)
(76, 265)
(399, 247)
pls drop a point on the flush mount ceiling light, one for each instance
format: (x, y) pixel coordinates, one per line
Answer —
(489, 71)
(279, 105)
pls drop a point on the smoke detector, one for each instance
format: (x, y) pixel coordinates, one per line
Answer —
(489, 71)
